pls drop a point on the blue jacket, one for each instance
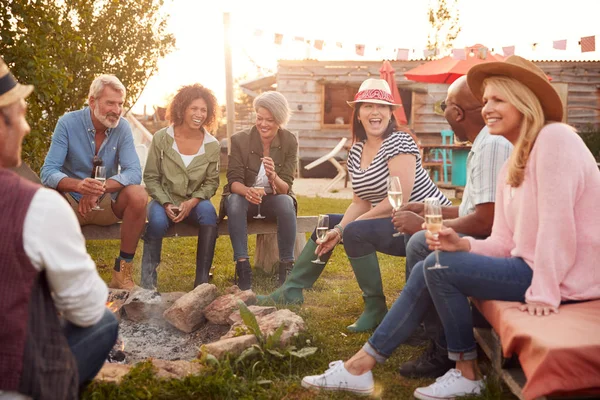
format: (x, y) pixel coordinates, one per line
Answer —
(72, 151)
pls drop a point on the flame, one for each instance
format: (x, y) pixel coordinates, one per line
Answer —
(122, 345)
(112, 306)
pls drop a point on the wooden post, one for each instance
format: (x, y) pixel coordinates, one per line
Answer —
(267, 250)
(228, 83)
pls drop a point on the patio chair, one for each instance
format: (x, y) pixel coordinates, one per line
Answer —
(331, 158)
(446, 155)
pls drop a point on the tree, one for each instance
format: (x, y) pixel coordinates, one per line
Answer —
(61, 46)
(444, 21)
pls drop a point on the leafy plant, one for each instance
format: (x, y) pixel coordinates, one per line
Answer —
(591, 137)
(61, 46)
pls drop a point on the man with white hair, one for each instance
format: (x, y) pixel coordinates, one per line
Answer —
(98, 136)
(45, 271)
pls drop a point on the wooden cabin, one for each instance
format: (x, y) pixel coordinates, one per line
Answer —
(317, 92)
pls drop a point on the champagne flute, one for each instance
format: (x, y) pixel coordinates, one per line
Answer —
(434, 223)
(322, 229)
(260, 188)
(100, 176)
(395, 195)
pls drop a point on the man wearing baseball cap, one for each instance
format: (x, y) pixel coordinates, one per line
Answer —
(45, 271)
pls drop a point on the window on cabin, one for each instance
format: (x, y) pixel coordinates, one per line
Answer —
(335, 107)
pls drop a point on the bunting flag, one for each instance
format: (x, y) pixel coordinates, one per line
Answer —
(360, 49)
(298, 38)
(508, 51)
(559, 44)
(258, 32)
(319, 44)
(588, 43)
(338, 44)
(428, 53)
(278, 38)
(459, 54)
(402, 54)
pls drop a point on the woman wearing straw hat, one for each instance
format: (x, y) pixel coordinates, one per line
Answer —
(543, 245)
(379, 151)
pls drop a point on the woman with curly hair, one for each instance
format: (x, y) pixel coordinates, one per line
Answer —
(181, 175)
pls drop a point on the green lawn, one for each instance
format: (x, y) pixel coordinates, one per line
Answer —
(334, 303)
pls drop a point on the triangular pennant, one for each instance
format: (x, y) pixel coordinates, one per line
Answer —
(402, 54)
(360, 49)
(427, 53)
(298, 38)
(560, 44)
(278, 38)
(459, 54)
(318, 44)
(258, 32)
(588, 43)
(508, 51)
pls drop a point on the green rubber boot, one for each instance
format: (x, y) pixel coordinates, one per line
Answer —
(366, 270)
(303, 275)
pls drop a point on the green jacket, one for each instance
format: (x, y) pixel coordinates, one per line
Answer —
(245, 159)
(169, 181)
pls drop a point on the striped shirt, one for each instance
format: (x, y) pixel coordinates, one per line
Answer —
(370, 184)
(486, 158)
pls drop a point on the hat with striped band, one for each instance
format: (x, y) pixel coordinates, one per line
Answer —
(10, 89)
(374, 91)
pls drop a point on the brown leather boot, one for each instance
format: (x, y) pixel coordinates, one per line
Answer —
(122, 275)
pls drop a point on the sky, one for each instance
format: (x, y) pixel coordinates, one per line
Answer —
(388, 24)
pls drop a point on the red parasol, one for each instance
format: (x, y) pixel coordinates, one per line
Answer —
(448, 69)
(388, 73)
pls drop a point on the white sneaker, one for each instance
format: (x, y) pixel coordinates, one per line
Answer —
(448, 386)
(338, 378)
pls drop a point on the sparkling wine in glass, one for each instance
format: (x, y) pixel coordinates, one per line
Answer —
(261, 191)
(322, 229)
(434, 223)
(395, 195)
(100, 176)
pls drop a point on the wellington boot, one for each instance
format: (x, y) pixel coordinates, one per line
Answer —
(122, 275)
(368, 275)
(303, 276)
(205, 250)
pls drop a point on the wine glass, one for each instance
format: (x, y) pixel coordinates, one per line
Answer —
(100, 176)
(434, 223)
(322, 229)
(259, 186)
(395, 195)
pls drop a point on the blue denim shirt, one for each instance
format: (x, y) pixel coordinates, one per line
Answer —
(72, 151)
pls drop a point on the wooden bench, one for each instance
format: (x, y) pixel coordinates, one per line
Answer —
(559, 355)
(267, 250)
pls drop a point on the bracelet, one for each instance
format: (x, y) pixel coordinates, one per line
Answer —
(339, 228)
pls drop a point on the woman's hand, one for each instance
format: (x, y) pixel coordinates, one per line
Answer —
(269, 168)
(171, 210)
(185, 208)
(253, 196)
(86, 203)
(328, 243)
(446, 240)
(538, 309)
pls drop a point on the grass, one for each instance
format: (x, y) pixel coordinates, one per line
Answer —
(334, 303)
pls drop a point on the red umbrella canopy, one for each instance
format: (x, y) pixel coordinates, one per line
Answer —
(448, 69)
(388, 73)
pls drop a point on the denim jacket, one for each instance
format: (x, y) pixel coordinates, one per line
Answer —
(168, 180)
(72, 151)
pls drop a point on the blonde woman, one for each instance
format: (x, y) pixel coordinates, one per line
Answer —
(543, 245)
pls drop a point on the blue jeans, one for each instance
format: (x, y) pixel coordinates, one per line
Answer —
(278, 207)
(90, 346)
(368, 236)
(158, 223)
(472, 275)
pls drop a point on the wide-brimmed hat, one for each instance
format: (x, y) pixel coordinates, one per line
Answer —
(374, 91)
(10, 89)
(525, 72)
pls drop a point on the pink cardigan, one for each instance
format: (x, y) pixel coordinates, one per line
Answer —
(552, 220)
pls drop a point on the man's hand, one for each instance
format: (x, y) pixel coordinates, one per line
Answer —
(417, 208)
(90, 187)
(538, 309)
(269, 168)
(86, 203)
(328, 243)
(407, 222)
(185, 208)
(171, 210)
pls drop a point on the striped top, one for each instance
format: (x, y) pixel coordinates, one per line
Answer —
(371, 184)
